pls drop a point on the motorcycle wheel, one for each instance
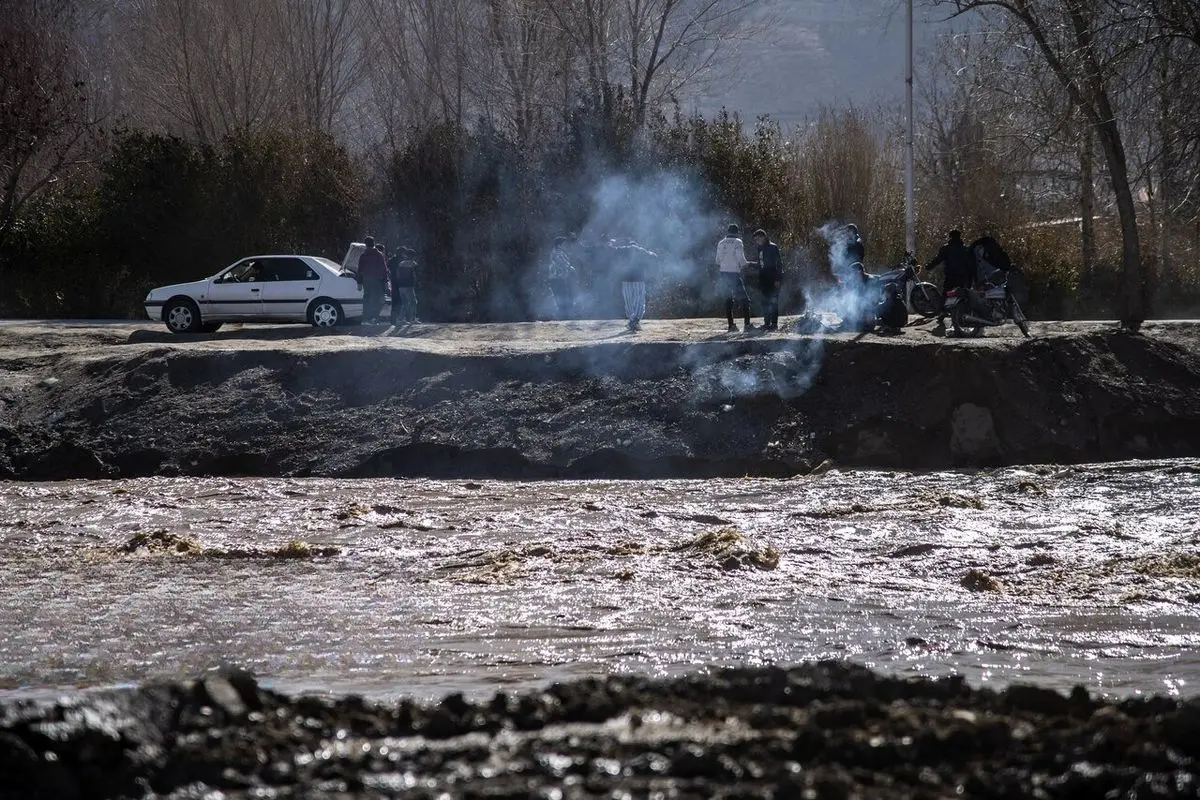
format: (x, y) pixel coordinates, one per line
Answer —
(963, 328)
(926, 299)
(1019, 317)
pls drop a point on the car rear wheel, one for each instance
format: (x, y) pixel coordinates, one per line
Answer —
(182, 316)
(210, 327)
(325, 313)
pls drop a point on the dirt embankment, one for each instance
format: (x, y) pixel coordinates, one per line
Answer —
(828, 730)
(485, 401)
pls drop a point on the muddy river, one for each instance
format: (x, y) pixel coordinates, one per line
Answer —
(1059, 575)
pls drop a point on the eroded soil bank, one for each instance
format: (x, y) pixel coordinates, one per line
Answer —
(583, 400)
(824, 730)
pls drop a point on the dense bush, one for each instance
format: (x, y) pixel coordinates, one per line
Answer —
(482, 210)
(160, 210)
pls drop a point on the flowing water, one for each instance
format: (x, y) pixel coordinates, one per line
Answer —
(1057, 575)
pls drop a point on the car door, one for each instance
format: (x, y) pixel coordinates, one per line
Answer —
(291, 283)
(237, 292)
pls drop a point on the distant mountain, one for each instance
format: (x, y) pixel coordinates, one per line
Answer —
(807, 53)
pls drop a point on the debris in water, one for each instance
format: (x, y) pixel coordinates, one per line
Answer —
(353, 511)
(960, 501)
(731, 550)
(923, 549)
(162, 541)
(1177, 565)
(979, 581)
(627, 549)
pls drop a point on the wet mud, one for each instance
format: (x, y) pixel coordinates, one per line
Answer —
(827, 730)
(575, 402)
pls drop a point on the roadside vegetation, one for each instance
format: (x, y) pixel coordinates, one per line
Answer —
(157, 140)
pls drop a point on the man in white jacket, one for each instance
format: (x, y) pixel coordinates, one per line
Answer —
(731, 259)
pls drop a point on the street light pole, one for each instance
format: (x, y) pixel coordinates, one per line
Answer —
(910, 211)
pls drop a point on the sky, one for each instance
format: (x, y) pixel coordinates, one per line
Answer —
(815, 52)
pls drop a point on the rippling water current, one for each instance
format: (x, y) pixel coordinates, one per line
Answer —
(415, 587)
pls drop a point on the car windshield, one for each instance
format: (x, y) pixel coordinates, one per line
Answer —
(325, 262)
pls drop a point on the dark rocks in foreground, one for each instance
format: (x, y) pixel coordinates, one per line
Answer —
(823, 730)
(767, 407)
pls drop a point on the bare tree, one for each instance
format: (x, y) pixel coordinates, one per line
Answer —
(530, 57)
(651, 49)
(207, 68)
(325, 57)
(1084, 43)
(420, 55)
(45, 115)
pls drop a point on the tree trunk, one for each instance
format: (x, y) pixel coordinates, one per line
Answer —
(1166, 280)
(1133, 296)
(1087, 204)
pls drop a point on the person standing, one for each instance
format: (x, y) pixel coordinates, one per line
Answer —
(561, 273)
(373, 273)
(403, 269)
(731, 260)
(633, 265)
(958, 265)
(770, 278)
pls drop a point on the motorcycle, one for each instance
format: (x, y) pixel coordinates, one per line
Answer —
(899, 293)
(919, 297)
(972, 310)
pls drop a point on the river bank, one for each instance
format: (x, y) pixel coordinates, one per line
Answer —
(822, 730)
(584, 399)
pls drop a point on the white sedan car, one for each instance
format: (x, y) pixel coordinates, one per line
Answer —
(261, 289)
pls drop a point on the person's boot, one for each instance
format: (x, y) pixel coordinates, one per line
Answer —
(732, 327)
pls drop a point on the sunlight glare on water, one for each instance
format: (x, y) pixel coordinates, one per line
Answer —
(1058, 575)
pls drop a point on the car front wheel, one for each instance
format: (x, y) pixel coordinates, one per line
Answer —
(325, 313)
(182, 316)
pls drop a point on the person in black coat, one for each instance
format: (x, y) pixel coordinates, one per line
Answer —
(770, 278)
(958, 267)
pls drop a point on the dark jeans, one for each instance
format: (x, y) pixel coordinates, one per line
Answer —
(404, 304)
(770, 293)
(372, 298)
(734, 291)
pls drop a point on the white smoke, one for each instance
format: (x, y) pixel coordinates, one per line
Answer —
(849, 297)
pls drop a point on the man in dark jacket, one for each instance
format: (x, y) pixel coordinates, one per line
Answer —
(372, 272)
(959, 263)
(958, 267)
(770, 278)
(403, 272)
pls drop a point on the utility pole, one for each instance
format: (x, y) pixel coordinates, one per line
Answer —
(910, 210)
